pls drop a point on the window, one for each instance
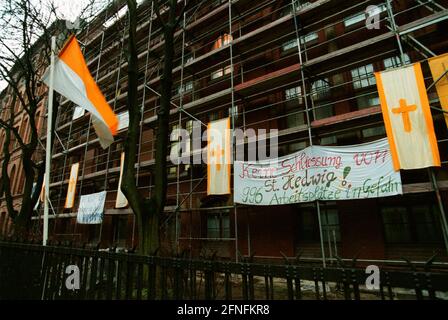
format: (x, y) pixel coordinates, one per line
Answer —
(218, 226)
(189, 127)
(328, 141)
(297, 146)
(367, 101)
(426, 228)
(294, 93)
(221, 72)
(120, 228)
(212, 116)
(24, 129)
(12, 178)
(395, 62)
(363, 76)
(188, 57)
(303, 39)
(289, 45)
(172, 171)
(187, 86)
(223, 40)
(357, 18)
(413, 223)
(14, 140)
(308, 225)
(309, 37)
(297, 4)
(174, 138)
(374, 132)
(320, 89)
(295, 118)
(233, 111)
(323, 110)
(362, 16)
(396, 224)
(101, 159)
(330, 225)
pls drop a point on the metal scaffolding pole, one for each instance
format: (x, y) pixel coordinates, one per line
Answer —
(176, 220)
(310, 137)
(232, 110)
(66, 153)
(90, 124)
(142, 110)
(431, 172)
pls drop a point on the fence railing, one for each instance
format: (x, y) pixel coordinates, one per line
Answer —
(30, 271)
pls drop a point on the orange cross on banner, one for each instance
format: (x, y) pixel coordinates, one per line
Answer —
(407, 118)
(218, 153)
(218, 157)
(404, 109)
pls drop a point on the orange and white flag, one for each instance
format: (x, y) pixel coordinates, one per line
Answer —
(218, 157)
(439, 68)
(72, 79)
(121, 201)
(407, 118)
(71, 191)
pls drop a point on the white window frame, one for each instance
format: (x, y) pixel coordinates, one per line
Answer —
(363, 76)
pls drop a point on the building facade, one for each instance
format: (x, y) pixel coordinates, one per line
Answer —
(305, 68)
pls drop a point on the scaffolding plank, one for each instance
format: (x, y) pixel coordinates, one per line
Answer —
(346, 117)
(267, 81)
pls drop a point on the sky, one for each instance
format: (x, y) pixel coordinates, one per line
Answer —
(66, 9)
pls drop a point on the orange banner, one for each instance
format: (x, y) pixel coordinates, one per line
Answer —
(71, 191)
(439, 65)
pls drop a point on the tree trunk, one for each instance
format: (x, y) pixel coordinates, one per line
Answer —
(148, 211)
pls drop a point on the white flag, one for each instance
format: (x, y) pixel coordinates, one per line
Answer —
(218, 157)
(121, 201)
(71, 191)
(407, 118)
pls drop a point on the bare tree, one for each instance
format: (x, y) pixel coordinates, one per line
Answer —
(25, 50)
(149, 210)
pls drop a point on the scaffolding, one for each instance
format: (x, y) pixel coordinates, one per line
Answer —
(284, 61)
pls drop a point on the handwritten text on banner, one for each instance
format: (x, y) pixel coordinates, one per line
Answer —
(319, 173)
(91, 208)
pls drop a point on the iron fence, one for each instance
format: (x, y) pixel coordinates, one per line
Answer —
(31, 271)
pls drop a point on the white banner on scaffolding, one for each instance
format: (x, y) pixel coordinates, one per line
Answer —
(319, 173)
(123, 120)
(91, 208)
(78, 112)
(121, 201)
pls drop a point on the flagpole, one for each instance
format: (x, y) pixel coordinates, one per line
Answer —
(48, 147)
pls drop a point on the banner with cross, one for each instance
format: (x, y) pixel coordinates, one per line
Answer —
(407, 118)
(218, 157)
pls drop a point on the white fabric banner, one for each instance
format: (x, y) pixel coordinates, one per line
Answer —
(319, 173)
(218, 157)
(71, 191)
(123, 120)
(407, 118)
(78, 112)
(121, 201)
(91, 208)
